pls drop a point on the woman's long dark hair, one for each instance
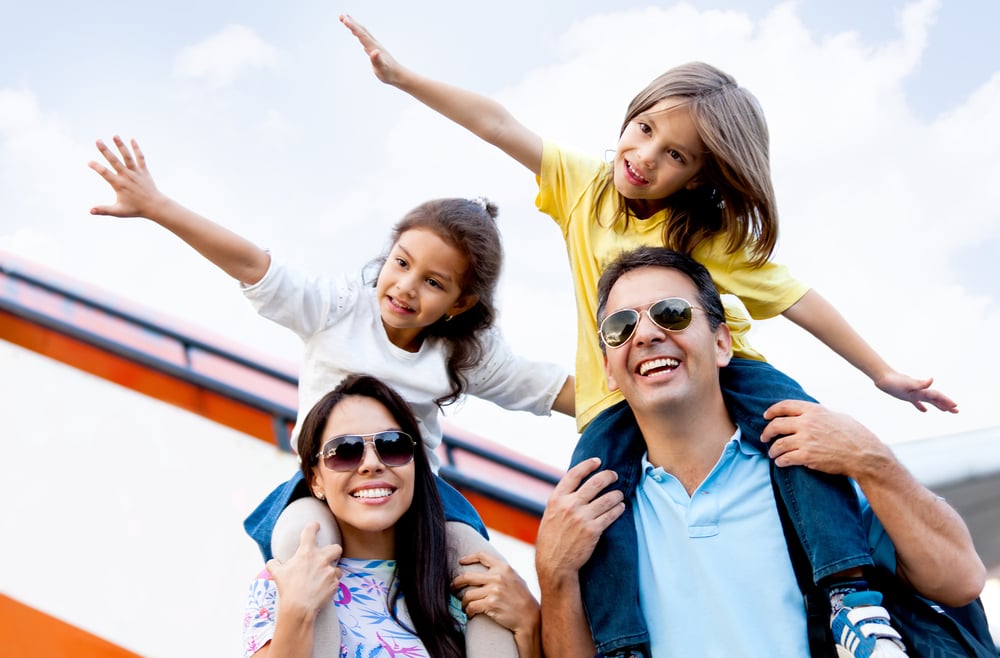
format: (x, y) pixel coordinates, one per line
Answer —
(421, 568)
(468, 225)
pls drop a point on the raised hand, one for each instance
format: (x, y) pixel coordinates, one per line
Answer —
(385, 66)
(136, 193)
(916, 391)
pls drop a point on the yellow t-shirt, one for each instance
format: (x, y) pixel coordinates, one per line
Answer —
(567, 191)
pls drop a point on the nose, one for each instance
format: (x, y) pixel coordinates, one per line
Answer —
(406, 285)
(647, 331)
(370, 461)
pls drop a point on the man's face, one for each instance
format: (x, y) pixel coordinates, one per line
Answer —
(657, 368)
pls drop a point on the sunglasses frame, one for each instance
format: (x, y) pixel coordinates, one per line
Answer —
(638, 316)
(366, 439)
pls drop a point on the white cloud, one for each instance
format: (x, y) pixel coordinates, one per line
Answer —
(224, 57)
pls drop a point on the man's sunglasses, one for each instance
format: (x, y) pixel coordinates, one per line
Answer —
(346, 452)
(671, 314)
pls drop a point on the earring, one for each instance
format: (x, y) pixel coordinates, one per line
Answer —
(321, 495)
(447, 318)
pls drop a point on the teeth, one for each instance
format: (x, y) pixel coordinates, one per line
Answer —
(658, 363)
(373, 493)
(635, 173)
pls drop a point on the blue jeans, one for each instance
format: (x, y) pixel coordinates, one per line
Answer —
(260, 524)
(823, 508)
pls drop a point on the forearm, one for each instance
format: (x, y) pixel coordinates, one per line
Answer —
(233, 254)
(293, 636)
(529, 640)
(480, 115)
(934, 549)
(817, 316)
(565, 402)
(565, 633)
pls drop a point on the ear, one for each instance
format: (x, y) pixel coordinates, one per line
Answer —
(612, 384)
(316, 482)
(462, 304)
(723, 345)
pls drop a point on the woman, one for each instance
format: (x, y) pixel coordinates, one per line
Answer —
(388, 580)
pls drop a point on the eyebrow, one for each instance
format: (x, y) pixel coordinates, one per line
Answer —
(434, 273)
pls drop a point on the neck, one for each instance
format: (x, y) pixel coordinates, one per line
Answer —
(687, 439)
(646, 208)
(409, 340)
(377, 545)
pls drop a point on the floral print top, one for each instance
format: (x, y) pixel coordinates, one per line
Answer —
(367, 629)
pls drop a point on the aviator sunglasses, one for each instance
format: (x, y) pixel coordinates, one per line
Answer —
(671, 314)
(346, 452)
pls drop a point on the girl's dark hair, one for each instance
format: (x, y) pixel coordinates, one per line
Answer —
(421, 571)
(470, 227)
(736, 196)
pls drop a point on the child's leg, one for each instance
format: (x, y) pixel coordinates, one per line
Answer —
(484, 638)
(299, 513)
(260, 524)
(823, 508)
(616, 622)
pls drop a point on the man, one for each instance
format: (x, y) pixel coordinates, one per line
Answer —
(714, 574)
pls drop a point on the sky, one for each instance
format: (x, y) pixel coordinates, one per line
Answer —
(268, 120)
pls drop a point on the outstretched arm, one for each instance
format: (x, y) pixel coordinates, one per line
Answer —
(137, 196)
(817, 316)
(574, 519)
(482, 116)
(934, 550)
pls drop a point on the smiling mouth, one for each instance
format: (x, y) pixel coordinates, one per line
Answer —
(635, 174)
(398, 304)
(380, 492)
(656, 366)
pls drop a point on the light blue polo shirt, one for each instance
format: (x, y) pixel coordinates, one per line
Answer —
(715, 578)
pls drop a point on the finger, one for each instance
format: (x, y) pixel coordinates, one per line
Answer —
(919, 405)
(126, 154)
(574, 476)
(272, 565)
(307, 538)
(786, 408)
(592, 488)
(470, 579)
(606, 503)
(102, 171)
(140, 157)
(480, 557)
(109, 155)
(331, 553)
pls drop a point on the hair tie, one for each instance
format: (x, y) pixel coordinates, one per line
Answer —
(482, 202)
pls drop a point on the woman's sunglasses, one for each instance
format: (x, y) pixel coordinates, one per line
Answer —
(346, 452)
(671, 314)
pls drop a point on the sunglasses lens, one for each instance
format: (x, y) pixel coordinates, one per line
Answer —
(618, 327)
(394, 448)
(671, 314)
(348, 452)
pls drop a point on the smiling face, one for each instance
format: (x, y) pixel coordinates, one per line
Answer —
(419, 284)
(660, 370)
(659, 153)
(369, 500)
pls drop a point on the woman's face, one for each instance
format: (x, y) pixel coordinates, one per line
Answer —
(370, 499)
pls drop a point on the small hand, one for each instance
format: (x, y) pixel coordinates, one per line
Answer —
(310, 578)
(499, 592)
(384, 65)
(133, 185)
(915, 391)
(575, 517)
